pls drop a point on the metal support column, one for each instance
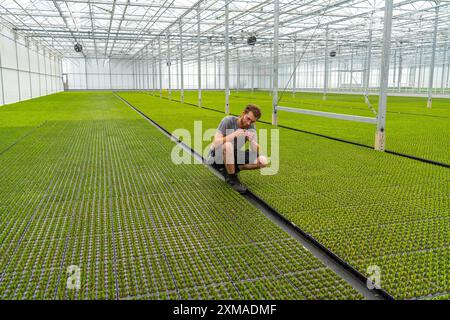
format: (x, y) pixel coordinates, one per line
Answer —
(276, 19)
(394, 76)
(227, 62)
(351, 68)
(199, 61)
(39, 70)
(27, 44)
(294, 77)
(271, 69)
(420, 66)
(400, 66)
(160, 68)
(380, 136)
(153, 67)
(444, 59)
(169, 63)
(325, 74)
(85, 71)
(433, 57)
(238, 67)
(181, 62)
(339, 73)
(447, 83)
(1, 79)
(147, 69)
(110, 74)
(219, 75)
(17, 65)
(368, 65)
(253, 70)
(215, 72)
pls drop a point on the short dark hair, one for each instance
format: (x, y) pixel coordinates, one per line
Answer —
(253, 108)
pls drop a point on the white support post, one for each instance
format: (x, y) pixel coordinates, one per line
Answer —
(339, 73)
(238, 67)
(220, 75)
(420, 66)
(294, 60)
(380, 136)
(85, 71)
(147, 69)
(394, 76)
(1, 79)
(39, 70)
(448, 69)
(444, 58)
(433, 57)
(27, 44)
(227, 62)
(17, 65)
(206, 73)
(351, 69)
(160, 67)
(325, 75)
(400, 66)
(169, 64)
(215, 72)
(199, 61)
(133, 65)
(253, 70)
(276, 18)
(271, 70)
(153, 68)
(368, 65)
(181, 62)
(110, 73)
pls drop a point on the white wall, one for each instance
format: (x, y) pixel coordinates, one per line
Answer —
(310, 72)
(94, 73)
(26, 70)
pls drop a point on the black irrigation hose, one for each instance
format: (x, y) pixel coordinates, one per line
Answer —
(254, 198)
(436, 163)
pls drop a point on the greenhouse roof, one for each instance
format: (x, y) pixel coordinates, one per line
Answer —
(129, 28)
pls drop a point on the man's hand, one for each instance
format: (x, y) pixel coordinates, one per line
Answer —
(240, 133)
(250, 135)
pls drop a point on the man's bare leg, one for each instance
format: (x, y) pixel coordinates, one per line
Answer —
(232, 179)
(228, 156)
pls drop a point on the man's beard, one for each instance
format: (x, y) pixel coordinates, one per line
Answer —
(241, 124)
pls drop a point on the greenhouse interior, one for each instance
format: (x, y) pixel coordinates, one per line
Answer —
(111, 111)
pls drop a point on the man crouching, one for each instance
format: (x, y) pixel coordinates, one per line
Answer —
(226, 153)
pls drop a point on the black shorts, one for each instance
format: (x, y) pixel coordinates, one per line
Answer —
(246, 157)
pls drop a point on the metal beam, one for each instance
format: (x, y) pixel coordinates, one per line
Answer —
(332, 115)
